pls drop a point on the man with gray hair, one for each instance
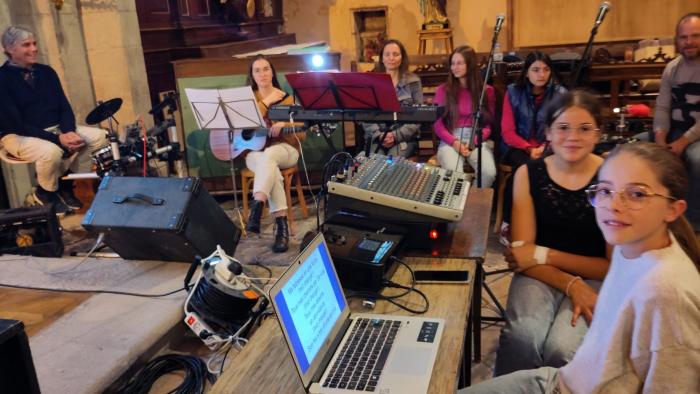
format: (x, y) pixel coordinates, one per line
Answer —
(37, 123)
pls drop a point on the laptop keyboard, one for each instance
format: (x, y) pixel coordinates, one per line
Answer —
(362, 358)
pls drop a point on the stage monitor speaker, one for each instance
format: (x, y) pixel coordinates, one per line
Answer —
(171, 219)
(17, 373)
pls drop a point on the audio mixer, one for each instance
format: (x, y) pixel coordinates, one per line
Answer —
(397, 183)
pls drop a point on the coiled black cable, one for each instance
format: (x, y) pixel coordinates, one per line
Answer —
(194, 382)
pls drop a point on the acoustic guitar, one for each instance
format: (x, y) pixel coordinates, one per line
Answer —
(243, 140)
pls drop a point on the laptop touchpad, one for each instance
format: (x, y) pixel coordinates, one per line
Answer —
(410, 360)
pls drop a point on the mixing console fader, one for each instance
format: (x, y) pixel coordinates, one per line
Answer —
(402, 184)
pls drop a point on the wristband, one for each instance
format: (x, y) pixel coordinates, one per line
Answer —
(571, 282)
(541, 253)
(517, 244)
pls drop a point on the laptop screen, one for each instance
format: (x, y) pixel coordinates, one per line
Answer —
(309, 304)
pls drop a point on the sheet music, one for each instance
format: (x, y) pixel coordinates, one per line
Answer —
(239, 103)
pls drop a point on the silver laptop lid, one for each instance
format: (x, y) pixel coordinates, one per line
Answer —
(311, 308)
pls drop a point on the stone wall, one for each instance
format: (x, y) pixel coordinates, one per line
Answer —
(472, 22)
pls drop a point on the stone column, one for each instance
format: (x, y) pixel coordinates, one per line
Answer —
(115, 55)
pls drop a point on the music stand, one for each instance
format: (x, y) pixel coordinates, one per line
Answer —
(345, 92)
(227, 109)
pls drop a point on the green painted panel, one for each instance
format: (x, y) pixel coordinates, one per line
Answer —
(201, 161)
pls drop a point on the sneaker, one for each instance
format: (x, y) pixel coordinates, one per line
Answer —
(43, 197)
(504, 236)
(65, 193)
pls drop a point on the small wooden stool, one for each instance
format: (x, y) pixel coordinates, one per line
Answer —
(9, 158)
(435, 34)
(504, 171)
(288, 173)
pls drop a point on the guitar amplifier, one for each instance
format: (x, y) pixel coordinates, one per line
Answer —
(171, 219)
(31, 231)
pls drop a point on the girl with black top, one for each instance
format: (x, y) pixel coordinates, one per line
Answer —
(558, 252)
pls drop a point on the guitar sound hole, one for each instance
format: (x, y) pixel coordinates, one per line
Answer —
(247, 134)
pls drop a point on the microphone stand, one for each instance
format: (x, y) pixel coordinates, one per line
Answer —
(573, 81)
(476, 127)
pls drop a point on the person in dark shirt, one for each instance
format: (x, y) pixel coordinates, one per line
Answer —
(37, 123)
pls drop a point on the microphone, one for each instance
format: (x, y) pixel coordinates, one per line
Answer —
(604, 8)
(500, 18)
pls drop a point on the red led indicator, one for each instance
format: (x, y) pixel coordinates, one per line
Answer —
(433, 234)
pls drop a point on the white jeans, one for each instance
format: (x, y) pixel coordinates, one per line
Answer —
(268, 179)
(451, 159)
(48, 157)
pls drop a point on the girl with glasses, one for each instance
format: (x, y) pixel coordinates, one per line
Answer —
(644, 335)
(558, 252)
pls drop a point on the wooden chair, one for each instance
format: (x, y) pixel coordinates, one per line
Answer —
(504, 171)
(444, 35)
(247, 177)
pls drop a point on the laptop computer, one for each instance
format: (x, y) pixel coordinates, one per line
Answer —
(336, 351)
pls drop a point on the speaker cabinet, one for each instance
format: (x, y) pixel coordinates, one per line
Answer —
(171, 219)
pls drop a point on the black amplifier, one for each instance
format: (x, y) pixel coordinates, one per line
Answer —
(31, 231)
(171, 219)
(362, 257)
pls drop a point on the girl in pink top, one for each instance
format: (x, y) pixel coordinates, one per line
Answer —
(460, 97)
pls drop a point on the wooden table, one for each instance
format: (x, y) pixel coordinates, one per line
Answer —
(265, 365)
(467, 240)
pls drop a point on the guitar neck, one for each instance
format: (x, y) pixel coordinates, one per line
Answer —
(290, 130)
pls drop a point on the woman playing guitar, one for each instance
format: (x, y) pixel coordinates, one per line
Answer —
(281, 152)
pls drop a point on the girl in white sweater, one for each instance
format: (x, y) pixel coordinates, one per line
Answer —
(644, 335)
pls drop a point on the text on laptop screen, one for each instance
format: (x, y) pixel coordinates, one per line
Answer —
(309, 304)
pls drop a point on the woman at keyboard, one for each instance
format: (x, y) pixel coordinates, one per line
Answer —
(643, 338)
(400, 140)
(281, 152)
(558, 252)
(460, 97)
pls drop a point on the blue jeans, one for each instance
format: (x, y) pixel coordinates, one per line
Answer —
(541, 380)
(538, 331)
(691, 158)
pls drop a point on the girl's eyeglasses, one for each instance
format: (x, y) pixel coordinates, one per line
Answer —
(633, 196)
(564, 129)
